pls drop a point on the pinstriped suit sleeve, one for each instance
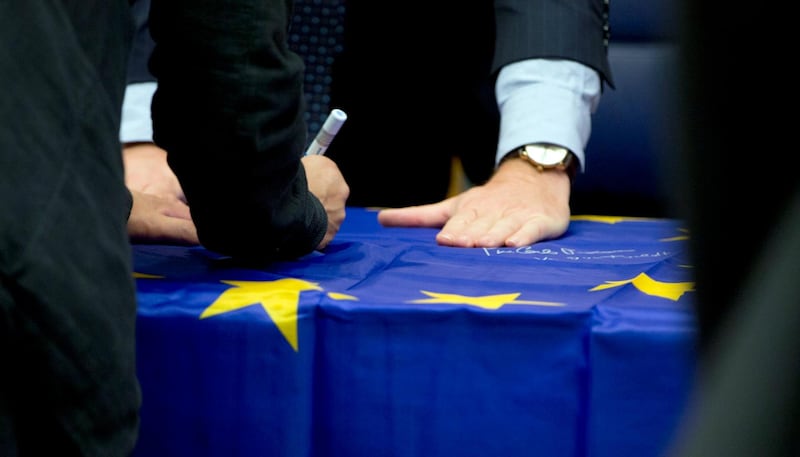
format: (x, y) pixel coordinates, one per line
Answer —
(562, 29)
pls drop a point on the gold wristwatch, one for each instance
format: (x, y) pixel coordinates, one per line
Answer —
(546, 157)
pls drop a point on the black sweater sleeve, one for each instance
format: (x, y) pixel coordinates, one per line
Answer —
(229, 111)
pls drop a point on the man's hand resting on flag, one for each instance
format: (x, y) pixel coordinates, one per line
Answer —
(155, 219)
(159, 213)
(518, 206)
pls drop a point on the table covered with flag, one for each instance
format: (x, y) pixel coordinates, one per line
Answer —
(387, 344)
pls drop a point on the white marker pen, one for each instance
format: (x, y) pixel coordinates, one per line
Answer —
(329, 130)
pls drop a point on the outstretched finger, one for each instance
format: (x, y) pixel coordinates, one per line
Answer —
(431, 215)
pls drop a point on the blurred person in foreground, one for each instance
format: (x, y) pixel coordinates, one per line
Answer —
(748, 397)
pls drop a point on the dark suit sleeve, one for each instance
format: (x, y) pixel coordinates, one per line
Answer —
(574, 30)
(229, 110)
(142, 45)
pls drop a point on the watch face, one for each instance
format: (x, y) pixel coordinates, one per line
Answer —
(544, 155)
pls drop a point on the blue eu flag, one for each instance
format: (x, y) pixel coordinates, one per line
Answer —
(388, 344)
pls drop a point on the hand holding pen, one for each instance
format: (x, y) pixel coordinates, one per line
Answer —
(325, 180)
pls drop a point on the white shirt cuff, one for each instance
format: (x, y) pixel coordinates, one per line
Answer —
(136, 125)
(546, 101)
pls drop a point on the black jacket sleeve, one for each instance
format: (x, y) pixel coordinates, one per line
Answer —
(229, 111)
(574, 30)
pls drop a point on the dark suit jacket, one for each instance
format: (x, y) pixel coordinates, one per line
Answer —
(418, 85)
(142, 45)
(229, 111)
(557, 29)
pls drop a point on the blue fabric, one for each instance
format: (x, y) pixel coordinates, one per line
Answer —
(388, 344)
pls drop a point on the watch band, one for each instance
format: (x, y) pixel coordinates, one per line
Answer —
(545, 157)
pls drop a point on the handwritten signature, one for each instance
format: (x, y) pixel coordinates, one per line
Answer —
(574, 254)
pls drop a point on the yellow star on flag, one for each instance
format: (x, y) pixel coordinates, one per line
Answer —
(683, 237)
(341, 296)
(669, 290)
(145, 276)
(279, 299)
(607, 219)
(485, 301)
